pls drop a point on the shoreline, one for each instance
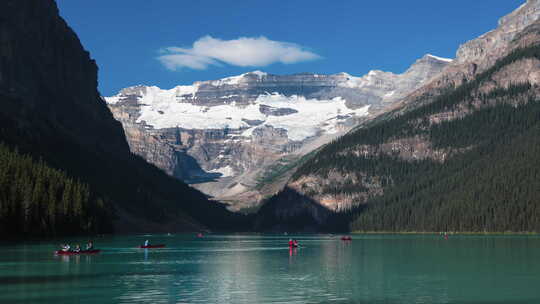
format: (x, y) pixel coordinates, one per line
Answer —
(449, 233)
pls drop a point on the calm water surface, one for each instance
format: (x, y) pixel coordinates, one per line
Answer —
(376, 269)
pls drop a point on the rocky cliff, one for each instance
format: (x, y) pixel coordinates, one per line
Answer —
(477, 55)
(445, 128)
(52, 110)
(234, 136)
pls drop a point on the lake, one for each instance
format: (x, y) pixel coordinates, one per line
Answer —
(261, 269)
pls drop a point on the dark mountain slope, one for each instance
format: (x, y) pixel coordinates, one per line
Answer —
(495, 186)
(40, 201)
(50, 108)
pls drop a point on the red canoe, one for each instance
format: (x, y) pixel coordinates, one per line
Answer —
(346, 238)
(93, 251)
(153, 246)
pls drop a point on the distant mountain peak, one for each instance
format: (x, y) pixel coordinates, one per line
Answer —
(234, 130)
(484, 50)
(526, 13)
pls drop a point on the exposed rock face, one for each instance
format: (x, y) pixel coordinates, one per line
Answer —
(43, 64)
(320, 189)
(475, 56)
(225, 136)
(486, 49)
(409, 149)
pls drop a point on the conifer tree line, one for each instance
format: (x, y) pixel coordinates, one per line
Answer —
(37, 200)
(495, 187)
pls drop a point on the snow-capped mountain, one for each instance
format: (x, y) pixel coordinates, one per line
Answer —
(228, 136)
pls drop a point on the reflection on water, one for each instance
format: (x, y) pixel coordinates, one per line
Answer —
(263, 269)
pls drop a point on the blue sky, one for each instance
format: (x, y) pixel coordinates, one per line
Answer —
(152, 42)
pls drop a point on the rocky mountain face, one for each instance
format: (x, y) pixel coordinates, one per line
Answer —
(235, 138)
(52, 110)
(477, 55)
(427, 142)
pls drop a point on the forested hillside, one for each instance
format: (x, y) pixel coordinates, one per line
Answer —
(493, 188)
(467, 161)
(38, 200)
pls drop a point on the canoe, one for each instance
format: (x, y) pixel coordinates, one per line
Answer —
(93, 251)
(346, 238)
(153, 246)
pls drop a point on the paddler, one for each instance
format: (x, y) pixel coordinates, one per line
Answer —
(146, 243)
(291, 243)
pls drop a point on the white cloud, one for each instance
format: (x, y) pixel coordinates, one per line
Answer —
(244, 52)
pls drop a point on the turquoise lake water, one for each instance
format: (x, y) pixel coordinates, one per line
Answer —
(377, 269)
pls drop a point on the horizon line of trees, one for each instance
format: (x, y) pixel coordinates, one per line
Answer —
(37, 200)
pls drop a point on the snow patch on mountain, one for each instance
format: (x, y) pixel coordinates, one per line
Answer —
(260, 74)
(234, 80)
(112, 100)
(187, 90)
(304, 117)
(352, 81)
(440, 58)
(224, 171)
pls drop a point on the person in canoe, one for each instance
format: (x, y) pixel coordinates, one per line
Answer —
(77, 248)
(90, 245)
(148, 245)
(293, 243)
(65, 247)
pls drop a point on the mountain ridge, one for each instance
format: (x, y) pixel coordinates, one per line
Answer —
(227, 135)
(382, 161)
